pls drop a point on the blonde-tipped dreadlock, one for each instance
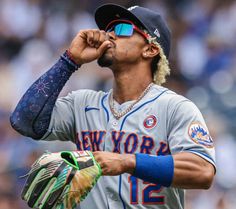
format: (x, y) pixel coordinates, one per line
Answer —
(163, 68)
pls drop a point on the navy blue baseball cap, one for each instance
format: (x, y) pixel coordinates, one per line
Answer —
(146, 18)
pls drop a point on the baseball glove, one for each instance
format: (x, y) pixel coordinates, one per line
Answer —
(60, 180)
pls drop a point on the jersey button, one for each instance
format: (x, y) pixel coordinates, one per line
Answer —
(113, 196)
(114, 123)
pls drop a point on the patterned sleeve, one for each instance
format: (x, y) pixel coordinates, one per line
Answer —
(32, 114)
(187, 131)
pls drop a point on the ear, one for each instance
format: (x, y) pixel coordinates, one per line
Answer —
(150, 51)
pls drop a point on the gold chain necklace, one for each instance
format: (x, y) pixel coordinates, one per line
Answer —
(118, 114)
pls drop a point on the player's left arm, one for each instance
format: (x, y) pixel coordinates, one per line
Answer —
(192, 172)
(191, 162)
(183, 170)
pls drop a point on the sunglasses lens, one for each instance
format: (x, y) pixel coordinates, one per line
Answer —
(123, 29)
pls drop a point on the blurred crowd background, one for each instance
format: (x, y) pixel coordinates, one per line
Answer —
(33, 34)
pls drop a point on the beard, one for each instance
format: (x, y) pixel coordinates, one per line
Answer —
(104, 60)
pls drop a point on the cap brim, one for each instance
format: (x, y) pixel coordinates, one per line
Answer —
(109, 12)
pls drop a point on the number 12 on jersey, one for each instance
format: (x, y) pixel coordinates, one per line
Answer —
(148, 198)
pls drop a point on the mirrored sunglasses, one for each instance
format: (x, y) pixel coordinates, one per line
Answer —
(124, 28)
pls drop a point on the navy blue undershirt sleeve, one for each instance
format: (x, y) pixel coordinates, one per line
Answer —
(32, 114)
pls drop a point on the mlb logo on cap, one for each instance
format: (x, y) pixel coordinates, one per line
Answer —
(156, 32)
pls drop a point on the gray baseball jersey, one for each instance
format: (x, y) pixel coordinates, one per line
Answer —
(162, 123)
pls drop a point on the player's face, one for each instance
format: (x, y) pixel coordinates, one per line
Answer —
(127, 45)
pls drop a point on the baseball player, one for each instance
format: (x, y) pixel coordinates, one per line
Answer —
(150, 142)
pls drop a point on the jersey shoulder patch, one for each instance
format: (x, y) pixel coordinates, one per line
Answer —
(200, 135)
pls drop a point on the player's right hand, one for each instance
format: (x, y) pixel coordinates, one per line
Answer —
(89, 45)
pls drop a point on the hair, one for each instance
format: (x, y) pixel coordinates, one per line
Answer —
(160, 64)
(160, 67)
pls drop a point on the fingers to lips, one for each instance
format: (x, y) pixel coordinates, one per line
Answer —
(95, 38)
